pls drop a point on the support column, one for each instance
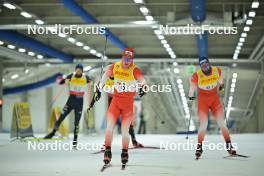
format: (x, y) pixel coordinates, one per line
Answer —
(1, 94)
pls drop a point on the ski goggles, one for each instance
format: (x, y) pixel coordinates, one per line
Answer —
(127, 59)
(205, 66)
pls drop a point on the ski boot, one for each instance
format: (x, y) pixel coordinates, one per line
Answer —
(230, 149)
(74, 142)
(124, 156)
(107, 155)
(199, 151)
(136, 144)
(50, 135)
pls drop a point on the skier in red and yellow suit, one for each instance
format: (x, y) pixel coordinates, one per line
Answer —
(208, 79)
(110, 92)
(126, 75)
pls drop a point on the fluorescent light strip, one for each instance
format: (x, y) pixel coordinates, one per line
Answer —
(246, 28)
(161, 37)
(39, 22)
(139, 1)
(255, 4)
(243, 34)
(21, 50)
(184, 100)
(252, 14)
(79, 44)
(235, 57)
(235, 75)
(14, 76)
(149, 18)
(62, 35)
(240, 44)
(176, 70)
(234, 80)
(9, 6)
(92, 51)
(87, 68)
(30, 53)
(242, 39)
(11, 46)
(39, 56)
(179, 81)
(232, 90)
(25, 14)
(175, 64)
(164, 41)
(249, 22)
(144, 10)
(72, 40)
(86, 48)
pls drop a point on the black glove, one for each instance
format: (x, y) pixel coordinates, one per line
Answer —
(191, 98)
(222, 88)
(141, 92)
(97, 95)
(190, 101)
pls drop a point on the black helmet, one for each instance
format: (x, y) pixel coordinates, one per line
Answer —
(203, 60)
(80, 66)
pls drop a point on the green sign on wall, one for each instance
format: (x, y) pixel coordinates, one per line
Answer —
(190, 69)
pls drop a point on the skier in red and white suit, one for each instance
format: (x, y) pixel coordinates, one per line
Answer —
(126, 75)
(208, 80)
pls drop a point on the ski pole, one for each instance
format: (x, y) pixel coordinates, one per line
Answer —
(161, 121)
(101, 74)
(188, 129)
(56, 96)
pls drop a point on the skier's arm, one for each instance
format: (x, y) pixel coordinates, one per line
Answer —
(107, 74)
(193, 88)
(139, 76)
(88, 79)
(220, 80)
(193, 84)
(141, 80)
(62, 80)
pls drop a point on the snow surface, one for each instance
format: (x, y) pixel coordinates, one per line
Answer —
(15, 159)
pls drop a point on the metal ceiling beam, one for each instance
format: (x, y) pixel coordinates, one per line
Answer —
(254, 52)
(86, 16)
(12, 54)
(258, 57)
(220, 61)
(25, 41)
(48, 4)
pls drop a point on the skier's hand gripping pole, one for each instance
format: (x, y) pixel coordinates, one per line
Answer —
(142, 91)
(96, 97)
